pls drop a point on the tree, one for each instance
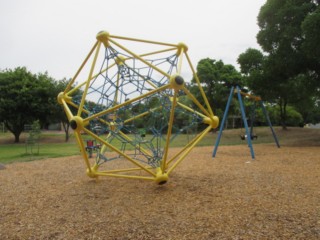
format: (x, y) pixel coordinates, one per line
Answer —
(24, 99)
(56, 111)
(252, 63)
(217, 78)
(310, 29)
(283, 37)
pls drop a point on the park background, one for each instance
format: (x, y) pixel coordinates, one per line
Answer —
(275, 197)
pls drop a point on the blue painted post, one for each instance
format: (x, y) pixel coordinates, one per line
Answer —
(252, 117)
(269, 122)
(245, 122)
(225, 115)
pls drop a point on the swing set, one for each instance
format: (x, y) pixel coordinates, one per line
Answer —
(249, 135)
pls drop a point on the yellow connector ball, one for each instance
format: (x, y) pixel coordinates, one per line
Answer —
(182, 48)
(161, 178)
(103, 37)
(176, 82)
(213, 121)
(76, 123)
(60, 97)
(120, 60)
(92, 171)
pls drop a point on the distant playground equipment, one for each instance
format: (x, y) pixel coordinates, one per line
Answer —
(133, 104)
(249, 134)
(91, 147)
(32, 140)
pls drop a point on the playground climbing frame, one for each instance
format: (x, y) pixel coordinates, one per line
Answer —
(124, 83)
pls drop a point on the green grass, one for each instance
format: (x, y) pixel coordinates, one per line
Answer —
(17, 152)
(52, 144)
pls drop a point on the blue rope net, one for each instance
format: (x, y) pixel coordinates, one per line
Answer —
(120, 79)
(133, 106)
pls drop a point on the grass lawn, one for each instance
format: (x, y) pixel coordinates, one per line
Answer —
(18, 152)
(52, 144)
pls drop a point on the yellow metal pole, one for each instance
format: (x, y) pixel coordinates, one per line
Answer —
(141, 59)
(104, 147)
(103, 70)
(145, 41)
(88, 82)
(67, 110)
(79, 70)
(82, 150)
(157, 52)
(188, 150)
(75, 88)
(197, 138)
(191, 110)
(126, 103)
(124, 176)
(196, 101)
(113, 64)
(117, 90)
(180, 64)
(182, 48)
(142, 114)
(119, 152)
(199, 86)
(136, 117)
(87, 112)
(121, 133)
(149, 54)
(124, 170)
(70, 115)
(93, 77)
(170, 125)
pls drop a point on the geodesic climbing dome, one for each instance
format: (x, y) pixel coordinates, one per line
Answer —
(129, 97)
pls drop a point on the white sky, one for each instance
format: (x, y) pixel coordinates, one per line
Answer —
(56, 35)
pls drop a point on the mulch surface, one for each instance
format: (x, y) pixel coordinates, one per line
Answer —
(276, 196)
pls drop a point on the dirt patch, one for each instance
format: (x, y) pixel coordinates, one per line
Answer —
(276, 196)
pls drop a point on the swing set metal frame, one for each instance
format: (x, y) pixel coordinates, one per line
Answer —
(236, 90)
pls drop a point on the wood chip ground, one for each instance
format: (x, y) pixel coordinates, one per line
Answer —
(276, 196)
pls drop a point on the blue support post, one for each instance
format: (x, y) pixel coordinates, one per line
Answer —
(245, 122)
(252, 118)
(225, 115)
(269, 122)
(243, 114)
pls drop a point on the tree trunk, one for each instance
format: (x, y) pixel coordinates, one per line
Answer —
(66, 130)
(15, 131)
(283, 113)
(16, 137)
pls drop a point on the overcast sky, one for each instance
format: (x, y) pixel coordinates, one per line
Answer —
(56, 35)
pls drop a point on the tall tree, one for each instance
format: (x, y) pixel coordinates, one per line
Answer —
(282, 37)
(217, 78)
(56, 111)
(252, 63)
(310, 29)
(24, 99)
